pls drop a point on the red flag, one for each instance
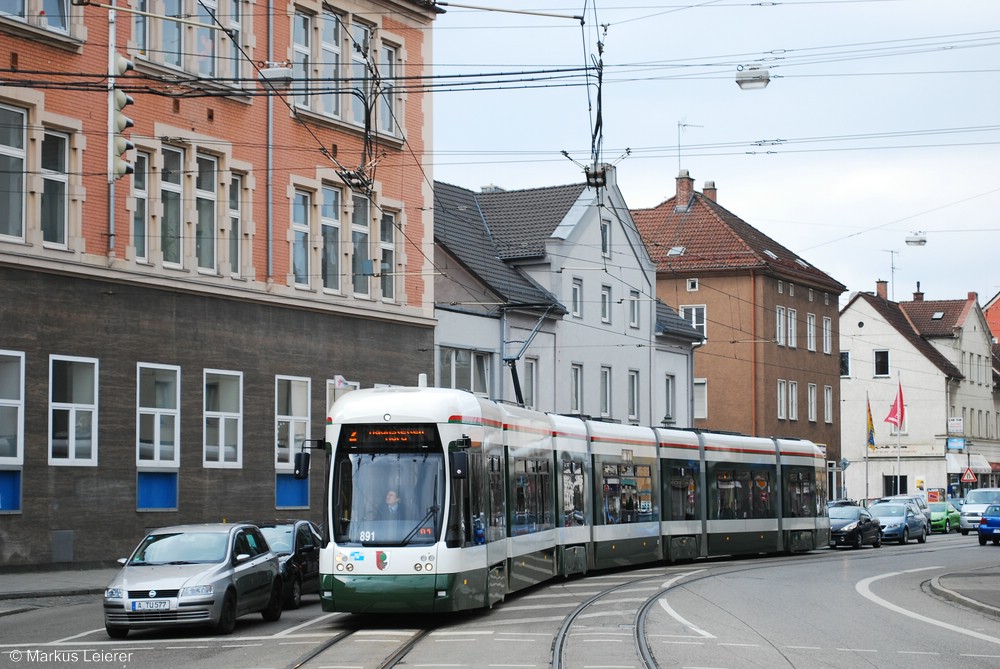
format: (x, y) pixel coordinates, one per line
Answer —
(896, 412)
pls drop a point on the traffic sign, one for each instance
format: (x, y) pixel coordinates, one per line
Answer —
(969, 476)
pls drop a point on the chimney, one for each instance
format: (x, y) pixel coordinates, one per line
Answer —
(918, 296)
(710, 191)
(685, 188)
(882, 289)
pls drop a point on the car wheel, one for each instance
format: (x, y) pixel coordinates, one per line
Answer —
(923, 536)
(272, 611)
(116, 632)
(996, 542)
(905, 538)
(947, 527)
(982, 540)
(295, 596)
(878, 541)
(227, 617)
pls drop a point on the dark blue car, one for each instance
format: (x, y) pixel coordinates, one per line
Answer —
(989, 525)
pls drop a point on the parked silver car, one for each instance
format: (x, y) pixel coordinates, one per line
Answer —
(901, 522)
(194, 575)
(975, 503)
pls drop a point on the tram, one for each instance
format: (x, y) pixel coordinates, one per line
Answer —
(439, 500)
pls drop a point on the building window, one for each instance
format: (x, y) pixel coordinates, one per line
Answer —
(791, 289)
(53, 15)
(633, 309)
(55, 157)
(695, 315)
(606, 239)
(360, 231)
(12, 159)
(827, 335)
(605, 391)
(206, 230)
(73, 411)
(845, 363)
(11, 410)
(387, 246)
(828, 404)
(669, 390)
(811, 332)
(881, 363)
(781, 287)
(810, 294)
(360, 51)
(793, 399)
(576, 298)
(330, 228)
(223, 445)
(811, 402)
(198, 47)
(779, 325)
(140, 215)
(159, 415)
(236, 225)
(782, 399)
(793, 326)
(329, 62)
(529, 389)
(292, 415)
(302, 56)
(387, 80)
(301, 210)
(576, 389)
(317, 66)
(700, 389)
(171, 189)
(633, 395)
(171, 33)
(692, 285)
(465, 369)
(605, 304)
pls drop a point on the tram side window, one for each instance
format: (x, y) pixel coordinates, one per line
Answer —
(740, 491)
(682, 484)
(532, 499)
(626, 493)
(497, 527)
(801, 491)
(572, 494)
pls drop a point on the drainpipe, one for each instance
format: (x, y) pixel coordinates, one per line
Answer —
(753, 353)
(270, 146)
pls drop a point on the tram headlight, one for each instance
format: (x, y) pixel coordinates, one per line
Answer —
(340, 566)
(417, 566)
(428, 566)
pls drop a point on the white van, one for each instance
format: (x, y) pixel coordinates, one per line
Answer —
(975, 503)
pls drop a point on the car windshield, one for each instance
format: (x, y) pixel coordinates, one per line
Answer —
(888, 510)
(993, 510)
(983, 497)
(181, 548)
(279, 537)
(845, 513)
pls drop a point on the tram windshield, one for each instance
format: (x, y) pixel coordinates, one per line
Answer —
(389, 496)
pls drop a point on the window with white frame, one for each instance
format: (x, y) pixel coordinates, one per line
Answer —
(52, 15)
(316, 63)
(206, 229)
(605, 391)
(337, 388)
(881, 360)
(140, 215)
(329, 62)
(793, 400)
(13, 142)
(811, 332)
(529, 389)
(700, 390)
(633, 395)
(171, 190)
(11, 408)
(159, 415)
(791, 289)
(330, 231)
(669, 390)
(695, 315)
(845, 363)
(302, 68)
(811, 402)
(360, 235)
(606, 239)
(55, 192)
(576, 298)
(465, 369)
(223, 430)
(779, 325)
(73, 414)
(301, 213)
(828, 404)
(782, 399)
(199, 45)
(236, 225)
(207, 38)
(827, 335)
(387, 95)
(360, 100)
(793, 326)
(605, 304)
(387, 246)
(576, 388)
(292, 415)
(633, 309)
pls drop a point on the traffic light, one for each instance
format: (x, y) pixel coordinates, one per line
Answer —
(120, 144)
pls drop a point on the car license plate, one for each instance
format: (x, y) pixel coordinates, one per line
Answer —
(151, 605)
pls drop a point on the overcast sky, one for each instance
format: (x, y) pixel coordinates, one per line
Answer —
(881, 119)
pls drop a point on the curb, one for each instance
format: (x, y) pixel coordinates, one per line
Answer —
(945, 593)
(68, 592)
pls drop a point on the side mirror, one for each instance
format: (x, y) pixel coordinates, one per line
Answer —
(459, 464)
(301, 463)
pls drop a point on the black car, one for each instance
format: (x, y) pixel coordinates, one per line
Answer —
(297, 544)
(853, 526)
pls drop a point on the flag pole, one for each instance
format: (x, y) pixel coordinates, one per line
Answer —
(868, 408)
(899, 430)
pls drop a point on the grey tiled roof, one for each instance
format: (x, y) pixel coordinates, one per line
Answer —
(669, 323)
(459, 227)
(522, 220)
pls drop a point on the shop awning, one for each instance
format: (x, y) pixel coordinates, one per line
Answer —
(958, 462)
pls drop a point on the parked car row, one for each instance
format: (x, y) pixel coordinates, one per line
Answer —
(896, 518)
(211, 574)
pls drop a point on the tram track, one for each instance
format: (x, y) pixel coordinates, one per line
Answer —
(394, 658)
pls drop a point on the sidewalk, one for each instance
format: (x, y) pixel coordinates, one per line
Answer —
(979, 590)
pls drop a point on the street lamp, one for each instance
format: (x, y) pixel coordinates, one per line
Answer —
(752, 78)
(918, 238)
